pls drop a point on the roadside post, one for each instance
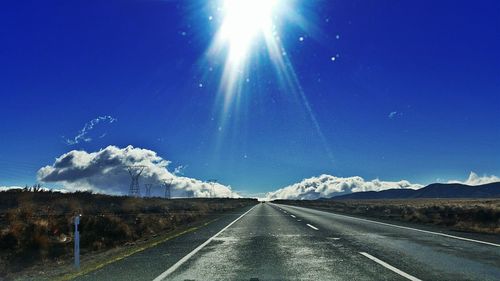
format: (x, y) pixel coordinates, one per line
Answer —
(77, 242)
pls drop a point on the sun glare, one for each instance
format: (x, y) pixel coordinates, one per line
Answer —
(246, 28)
(244, 22)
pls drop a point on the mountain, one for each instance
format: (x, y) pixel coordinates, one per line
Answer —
(436, 190)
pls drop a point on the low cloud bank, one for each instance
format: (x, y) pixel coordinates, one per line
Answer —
(5, 188)
(328, 186)
(474, 179)
(105, 171)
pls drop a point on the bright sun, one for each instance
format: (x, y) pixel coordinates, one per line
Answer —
(246, 28)
(244, 21)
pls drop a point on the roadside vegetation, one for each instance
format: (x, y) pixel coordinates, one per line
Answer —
(36, 225)
(474, 215)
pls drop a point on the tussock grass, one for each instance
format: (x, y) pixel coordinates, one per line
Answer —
(36, 227)
(474, 215)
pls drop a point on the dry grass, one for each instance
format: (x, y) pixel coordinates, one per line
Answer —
(36, 227)
(475, 215)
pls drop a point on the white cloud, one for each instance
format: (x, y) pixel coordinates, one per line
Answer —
(5, 188)
(474, 179)
(11, 187)
(394, 114)
(179, 170)
(83, 134)
(105, 171)
(328, 186)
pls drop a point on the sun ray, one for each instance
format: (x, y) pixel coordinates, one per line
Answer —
(247, 28)
(244, 25)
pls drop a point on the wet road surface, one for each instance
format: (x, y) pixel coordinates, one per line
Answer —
(279, 242)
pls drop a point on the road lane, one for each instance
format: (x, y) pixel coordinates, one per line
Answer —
(279, 242)
(174, 267)
(429, 256)
(267, 244)
(150, 263)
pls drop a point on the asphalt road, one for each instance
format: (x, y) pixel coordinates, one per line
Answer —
(279, 242)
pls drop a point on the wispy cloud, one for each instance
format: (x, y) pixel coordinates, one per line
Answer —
(179, 170)
(395, 114)
(83, 134)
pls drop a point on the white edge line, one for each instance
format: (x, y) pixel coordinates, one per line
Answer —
(410, 228)
(390, 267)
(312, 226)
(193, 252)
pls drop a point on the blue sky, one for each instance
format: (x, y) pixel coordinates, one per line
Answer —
(414, 91)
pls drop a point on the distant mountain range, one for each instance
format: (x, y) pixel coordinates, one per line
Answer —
(436, 190)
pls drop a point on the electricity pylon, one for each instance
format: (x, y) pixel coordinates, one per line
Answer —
(148, 189)
(135, 172)
(167, 184)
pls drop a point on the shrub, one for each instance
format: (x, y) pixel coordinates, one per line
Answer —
(37, 226)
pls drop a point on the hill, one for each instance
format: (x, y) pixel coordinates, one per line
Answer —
(436, 190)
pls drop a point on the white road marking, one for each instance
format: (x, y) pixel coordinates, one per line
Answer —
(312, 226)
(414, 229)
(292, 216)
(390, 267)
(299, 220)
(193, 252)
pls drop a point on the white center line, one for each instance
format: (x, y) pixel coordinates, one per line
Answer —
(390, 267)
(193, 252)
(292, 216)
(408, 228)
(312, 226)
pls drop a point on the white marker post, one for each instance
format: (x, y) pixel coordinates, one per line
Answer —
(77, 242)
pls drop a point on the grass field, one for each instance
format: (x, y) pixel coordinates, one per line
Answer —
(475, 215)
(36, 227)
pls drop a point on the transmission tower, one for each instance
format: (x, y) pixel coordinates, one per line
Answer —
(167, 185)
(148, 189)
(135, 172)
